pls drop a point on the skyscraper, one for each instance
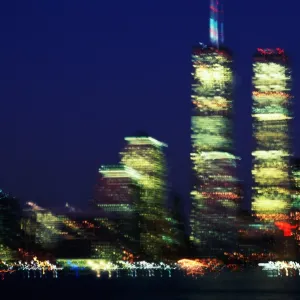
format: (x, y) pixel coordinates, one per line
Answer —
(146, 155)
(116, 189)
(271, 117)
(117, 198)
(41, 227)
(214, 193)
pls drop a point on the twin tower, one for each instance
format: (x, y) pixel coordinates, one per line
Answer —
(216, 190)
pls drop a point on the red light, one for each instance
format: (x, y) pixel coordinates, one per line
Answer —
(285, 227)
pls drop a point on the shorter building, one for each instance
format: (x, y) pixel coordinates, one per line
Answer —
(116, 200)
(117, 189)
(261, 241)
(106, 250)
(10, 216)
(147, 155)
(41, 228)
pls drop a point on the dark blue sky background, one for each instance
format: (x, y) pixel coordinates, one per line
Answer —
(78, 76)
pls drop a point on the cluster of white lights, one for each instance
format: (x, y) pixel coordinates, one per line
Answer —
(98, 266)
(35, 267)
(280, 266)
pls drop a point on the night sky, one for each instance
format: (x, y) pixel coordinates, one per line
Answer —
(78, 76)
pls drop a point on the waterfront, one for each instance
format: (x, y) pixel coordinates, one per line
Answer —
(205, 288)
(233, 282)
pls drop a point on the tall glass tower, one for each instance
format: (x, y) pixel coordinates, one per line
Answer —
(271, 118)
(146, 155)
(214, 193)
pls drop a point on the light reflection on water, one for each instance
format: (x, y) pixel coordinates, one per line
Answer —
(239, 296)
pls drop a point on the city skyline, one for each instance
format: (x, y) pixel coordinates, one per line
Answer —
(222, 206)
(60, 131)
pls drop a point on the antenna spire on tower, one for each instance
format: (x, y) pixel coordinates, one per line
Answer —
(216, 26)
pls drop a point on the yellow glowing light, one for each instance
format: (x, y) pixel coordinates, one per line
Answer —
(272, 154)
(209, 74)
(119, 172)
(270, 77)
(271, 117)
(269, 205)
(217, 155)
(269, 174)
(145, 141)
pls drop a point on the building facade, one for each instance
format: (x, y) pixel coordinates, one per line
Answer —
(215, 195)
(10, 233)
(271, 192)
(117, 189)
(271, 172)
(41, 228)
(117, 198)
(146, 155)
